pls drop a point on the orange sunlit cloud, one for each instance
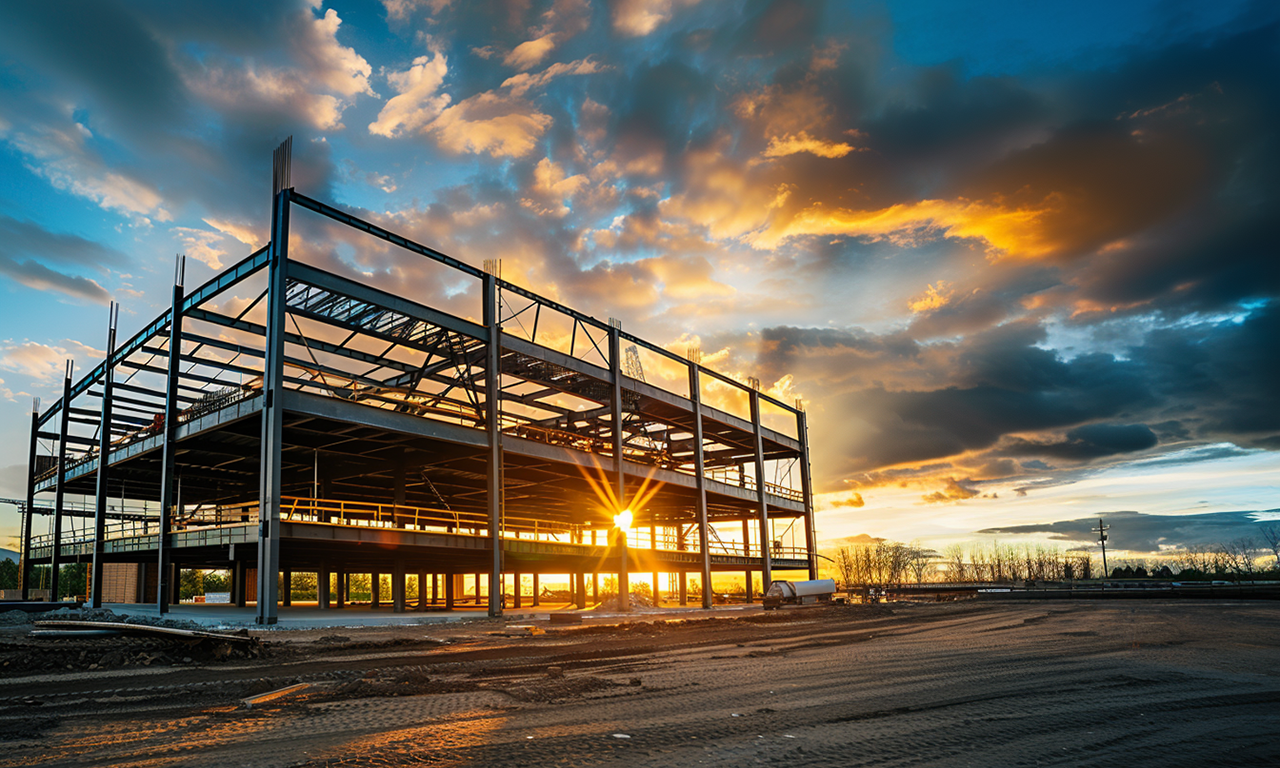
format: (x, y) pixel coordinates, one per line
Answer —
(1014, 232)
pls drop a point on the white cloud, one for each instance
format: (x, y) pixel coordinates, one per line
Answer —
(490, 122)
(522, 83)
(530, 53)
(42, 361)
(636, 18)
(242, 232)
(199, 245)
(418, 101)
(322, 81)
(551, 188)
(62, 158)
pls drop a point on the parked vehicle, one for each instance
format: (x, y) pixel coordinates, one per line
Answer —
(799, 593)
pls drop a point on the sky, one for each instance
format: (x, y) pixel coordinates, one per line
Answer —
(1017, 259)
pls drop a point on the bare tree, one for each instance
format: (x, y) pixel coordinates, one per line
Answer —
(957, 569)
(1270, 533)
(920, 561)
(1238, 556)
(845, 566)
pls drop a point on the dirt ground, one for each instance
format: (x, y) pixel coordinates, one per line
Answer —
(1140, 683)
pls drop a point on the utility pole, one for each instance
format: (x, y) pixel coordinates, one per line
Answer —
(1101, 530)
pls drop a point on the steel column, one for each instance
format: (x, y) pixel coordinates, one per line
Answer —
(272, 442)
(322, 588)
(24, 573)
(64, 422)
(397, 587)
(237, 584)
(168, 485)
(620, 478)
(700, 480)
(806, 489)
(493, 423)
(766, 560)
(104, 454)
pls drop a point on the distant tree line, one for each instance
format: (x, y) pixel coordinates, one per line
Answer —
(1244, 559)
(891, 563)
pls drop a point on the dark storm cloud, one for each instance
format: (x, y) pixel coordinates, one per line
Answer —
(948, 125)
(1001, 394)
(1140, 532)
(27, 250)
(1223, 375)
(1091, 441)
(104, 50)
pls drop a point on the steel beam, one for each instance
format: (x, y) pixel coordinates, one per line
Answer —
(700, 481)
(104, 449)
(766, 566)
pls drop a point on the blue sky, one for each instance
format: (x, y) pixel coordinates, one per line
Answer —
(1016, 258)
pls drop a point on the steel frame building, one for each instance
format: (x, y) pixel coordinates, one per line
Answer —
(332, 426)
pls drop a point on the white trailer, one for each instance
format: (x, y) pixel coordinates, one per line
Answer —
(799, 593)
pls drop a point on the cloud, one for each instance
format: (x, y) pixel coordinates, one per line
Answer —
(1015, 231)
(402, 10)
(491, 123)
(41, 278)
(523, 83)
(781, 146)
(934, 297)
(530, 53)
(1088, 442)
(637, 18)
(199, 245)
(562, 21)
(320, 82)
(43, 362)
(954, 491)
(62, 157)
(550, 188)
(854, 500)
(1143, 532)
(418, 100)
(242, 232)
(25, 247)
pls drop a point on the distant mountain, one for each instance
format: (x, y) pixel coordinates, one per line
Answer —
(8, 554)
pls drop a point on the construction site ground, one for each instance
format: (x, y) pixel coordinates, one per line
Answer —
(968, 683)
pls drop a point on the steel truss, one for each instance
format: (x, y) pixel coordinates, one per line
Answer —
(285, 397)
